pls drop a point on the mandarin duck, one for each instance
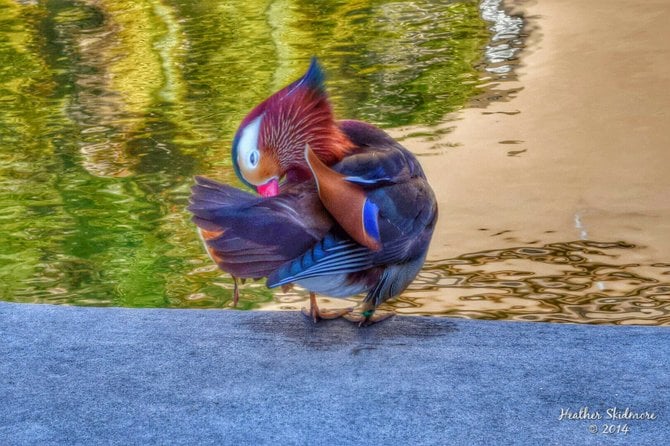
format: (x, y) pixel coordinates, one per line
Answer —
(342, 208)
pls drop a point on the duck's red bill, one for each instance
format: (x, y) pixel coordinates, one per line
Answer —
(269, 189)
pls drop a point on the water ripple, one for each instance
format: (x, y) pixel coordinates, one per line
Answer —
(581, 281)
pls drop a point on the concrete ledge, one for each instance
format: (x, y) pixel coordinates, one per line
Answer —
(71, 375)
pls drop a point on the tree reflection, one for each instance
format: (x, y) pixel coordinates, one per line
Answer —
(110, 107)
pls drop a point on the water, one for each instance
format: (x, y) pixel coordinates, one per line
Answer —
(109, 108)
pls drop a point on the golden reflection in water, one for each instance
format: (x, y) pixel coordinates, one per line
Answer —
(579, 282)
(122, 71)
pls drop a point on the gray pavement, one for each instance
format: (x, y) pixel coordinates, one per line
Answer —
(72, 375)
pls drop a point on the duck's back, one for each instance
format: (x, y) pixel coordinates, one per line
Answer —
(405, 212)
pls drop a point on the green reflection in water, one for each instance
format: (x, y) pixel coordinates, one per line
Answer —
(108, 108)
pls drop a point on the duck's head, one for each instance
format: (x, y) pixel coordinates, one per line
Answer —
(269, 144)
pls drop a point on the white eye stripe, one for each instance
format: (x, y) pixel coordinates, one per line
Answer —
(248, 154)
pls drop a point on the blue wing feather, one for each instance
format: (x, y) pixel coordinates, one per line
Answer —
(334, 254)
(371, 219)
(369, 180)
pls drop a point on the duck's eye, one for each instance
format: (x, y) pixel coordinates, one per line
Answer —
(253, 158)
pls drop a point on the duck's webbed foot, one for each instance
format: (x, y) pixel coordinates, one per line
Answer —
(367, 315)
(316, 314)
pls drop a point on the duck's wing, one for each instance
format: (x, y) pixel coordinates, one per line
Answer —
(250, 236)
(379, 159)
(386, 215)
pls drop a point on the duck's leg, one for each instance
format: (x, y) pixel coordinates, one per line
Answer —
(315, 314)
(367, 315)
(236, 291)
